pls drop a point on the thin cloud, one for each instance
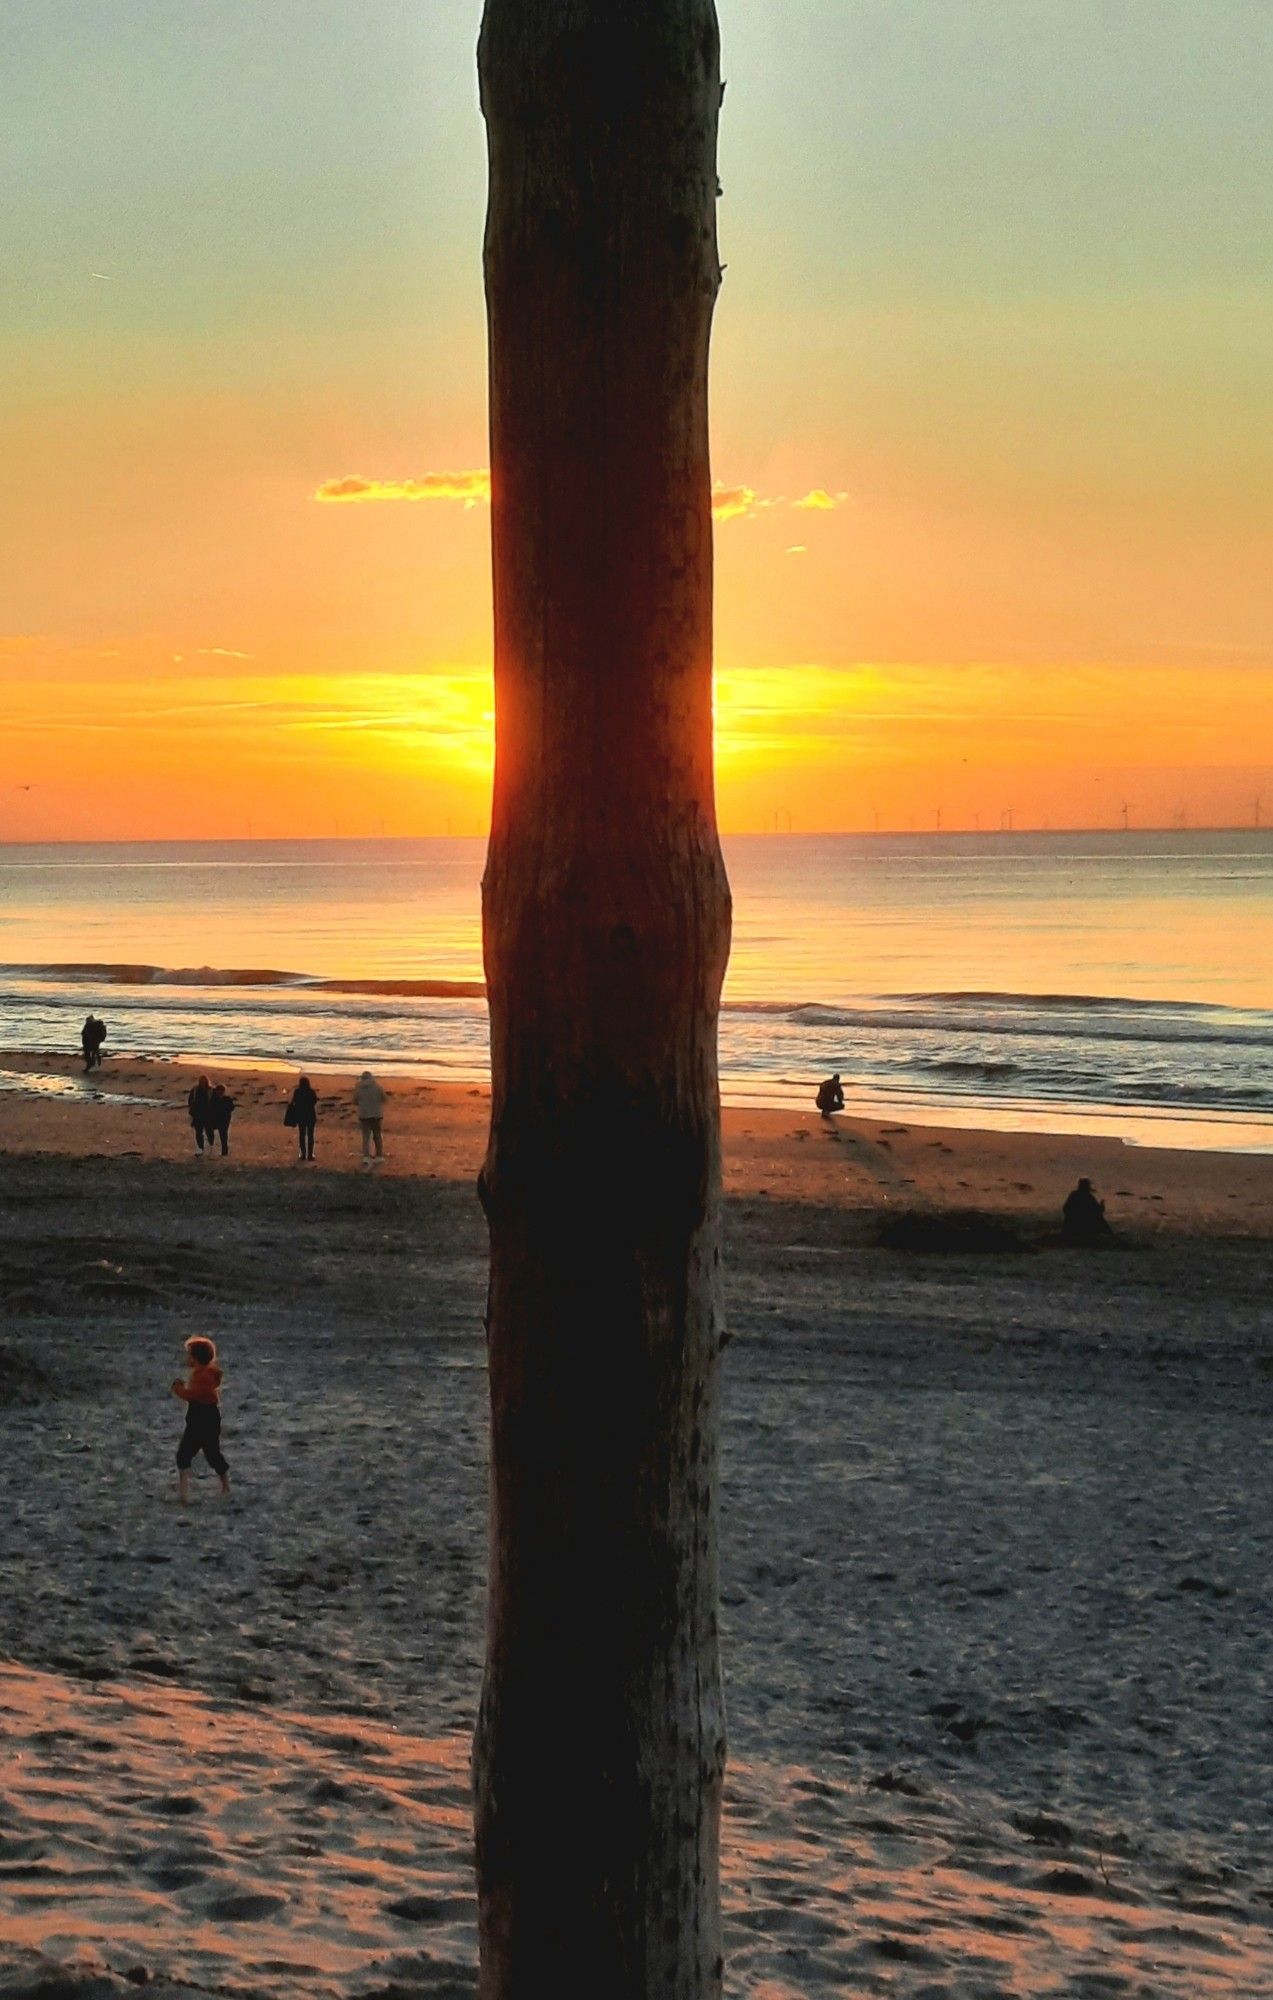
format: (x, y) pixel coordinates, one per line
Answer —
(733, 503)
(743, 503)
(223, 653)
(471, 489)
(819, 501)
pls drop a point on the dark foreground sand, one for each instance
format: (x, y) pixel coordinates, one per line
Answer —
(998, 1541)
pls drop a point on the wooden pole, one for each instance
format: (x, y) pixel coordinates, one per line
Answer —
(600, 1746)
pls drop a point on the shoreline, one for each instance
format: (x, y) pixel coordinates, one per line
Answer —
(864, 1166)
(1234, 1134)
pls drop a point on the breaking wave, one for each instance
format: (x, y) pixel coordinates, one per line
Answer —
(212, 976)
(970, 1048)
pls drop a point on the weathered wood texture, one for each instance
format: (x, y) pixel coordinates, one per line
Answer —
(600, 1744)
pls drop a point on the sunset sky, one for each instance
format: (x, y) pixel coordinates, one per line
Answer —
(993, 416)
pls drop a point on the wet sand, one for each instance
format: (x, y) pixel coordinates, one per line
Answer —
(136, 1109)
(997, 1538)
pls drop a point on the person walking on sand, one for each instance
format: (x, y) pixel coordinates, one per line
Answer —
(199, 1104)
(220, 1112)
(200, 1391)
(302, 1112)
(830, 1095)
(369, 1101)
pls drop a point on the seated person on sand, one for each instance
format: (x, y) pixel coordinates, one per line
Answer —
(1083, 1215)
(830, 1095)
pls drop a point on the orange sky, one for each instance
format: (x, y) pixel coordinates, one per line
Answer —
(993, 420)
(221, 752)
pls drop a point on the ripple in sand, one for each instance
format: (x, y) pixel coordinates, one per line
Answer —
(104, 1868)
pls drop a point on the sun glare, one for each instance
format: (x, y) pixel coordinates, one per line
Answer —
(810, 746)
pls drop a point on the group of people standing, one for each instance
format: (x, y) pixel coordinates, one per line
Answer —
(211, 1108)
(369, 1102)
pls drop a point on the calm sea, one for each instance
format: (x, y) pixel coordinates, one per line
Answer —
(1117, 982)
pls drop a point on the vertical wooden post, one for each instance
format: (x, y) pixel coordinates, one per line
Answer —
(600, 1745)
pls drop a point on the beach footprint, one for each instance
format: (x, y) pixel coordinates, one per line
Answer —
(244, 1906)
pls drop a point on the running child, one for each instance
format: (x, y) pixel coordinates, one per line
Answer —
(201, 1394)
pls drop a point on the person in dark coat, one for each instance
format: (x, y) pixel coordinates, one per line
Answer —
(220, 1112)
(1083, 1215)
(199, 1105)
(92, 1035)
(303, 1114)
(830, 1095)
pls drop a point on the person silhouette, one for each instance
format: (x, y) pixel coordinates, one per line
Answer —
(302, 1112)
(220, 1112)
(1083, 1215)
(92, 1035)
(830, 1095)
(369, 1102)
(198, 1103)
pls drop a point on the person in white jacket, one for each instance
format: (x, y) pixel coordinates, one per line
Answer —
(369, 1099)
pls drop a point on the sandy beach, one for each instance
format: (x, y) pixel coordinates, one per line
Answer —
(998, 1529)
(135, 1109)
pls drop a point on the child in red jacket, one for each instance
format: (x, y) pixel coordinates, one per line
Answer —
(201, 1393)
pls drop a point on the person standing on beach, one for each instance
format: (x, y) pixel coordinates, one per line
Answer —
(220, 1112)
(303, 1114)
(200, 1391)
(92, 1035)
(369, 1100)
(198, 1104)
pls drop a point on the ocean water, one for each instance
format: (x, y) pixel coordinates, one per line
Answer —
(1106, 982)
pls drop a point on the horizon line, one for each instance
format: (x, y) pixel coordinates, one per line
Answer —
(745, 833)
